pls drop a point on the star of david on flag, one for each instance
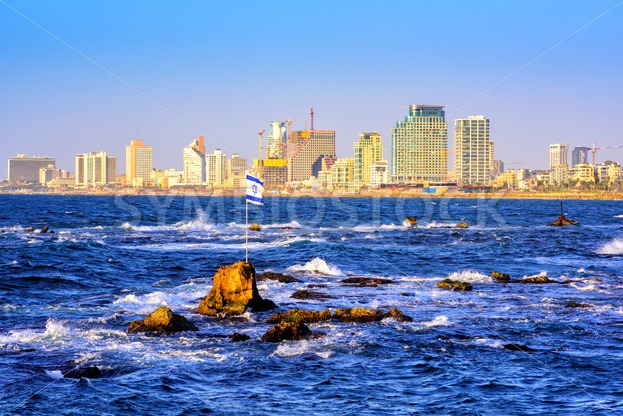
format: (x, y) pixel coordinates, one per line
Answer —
(255, 189)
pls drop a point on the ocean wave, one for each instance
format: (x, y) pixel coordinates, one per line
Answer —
(293, 349)
(316, 265)
(369, 228)
(470, 276)
(618, 216)
(613, 247)
(54, 330)
(440, 320)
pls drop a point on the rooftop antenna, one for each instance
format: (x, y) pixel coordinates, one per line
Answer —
(312, 118)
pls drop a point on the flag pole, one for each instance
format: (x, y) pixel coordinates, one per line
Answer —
(246, 228)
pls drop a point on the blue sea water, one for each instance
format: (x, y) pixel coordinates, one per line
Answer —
(67, 298)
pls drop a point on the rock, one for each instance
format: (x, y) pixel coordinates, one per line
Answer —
(255, 227)
(239, 337)
(44, 230)
(29, 230)
(368, 315)
(518, 347)
(283, 278)
(304, 294)
(84, 372)
(578, 305)
(234, 290)
(51, 231)
(562, 221)
(537, 280)
(462, 225)
(162, 321)
(366, 281)
(500, 277)
(293, 329)
(305, 316)
(455, 285)
(410, 222)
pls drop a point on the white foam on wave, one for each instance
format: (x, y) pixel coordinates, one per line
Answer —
(369, 228)
(54, 330)
(613, 247)
(293, 349)
(618, 216)
(440, 320)
(145, 304)
(316, 265)
(470, 276)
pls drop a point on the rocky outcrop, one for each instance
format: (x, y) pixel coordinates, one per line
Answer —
(290, 329)
(162, 321)
(255, 227)
(304, 294)
(236, 337)
(462, 224)
(304, 315)
(578, 305)
(83, 372)
(283, 278)
(410, 222)
(44, 230)
(501, 277)
(455, 285)
(518, 347)
(366, 281)
(563, 221)
(29, 230)
(368, 315)
(234, 290)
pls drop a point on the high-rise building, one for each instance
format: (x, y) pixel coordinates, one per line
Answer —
(420, 146)
(48, 174)
(195, 163)
(138, 163)
(236, 172)
(24, 168)
(498, 167)
(378, 173)
(368, 149)
(308, 146)
(472, 151)
(216, 168)
(579, 155)
(277, 140)
(95, 168)
(342, 172)
(558, 155)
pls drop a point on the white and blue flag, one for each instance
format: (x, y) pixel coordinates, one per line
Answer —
(255, 189)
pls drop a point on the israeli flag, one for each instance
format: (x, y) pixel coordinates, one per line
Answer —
(255, 189)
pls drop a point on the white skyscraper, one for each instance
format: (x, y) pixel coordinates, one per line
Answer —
(194, 163)
(95, 168)
(277, 140)
(216, 168)
(472, 150)
(558, 155)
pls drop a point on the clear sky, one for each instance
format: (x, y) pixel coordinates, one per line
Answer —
(225, 69)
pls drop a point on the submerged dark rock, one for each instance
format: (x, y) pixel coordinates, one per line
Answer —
(455, 285)
(162, 321)
(366, 281)
(83, 372)
(578, 305)
(304, 294)
(280, 277)
(236, 337)
(29, 229)
(518, 347)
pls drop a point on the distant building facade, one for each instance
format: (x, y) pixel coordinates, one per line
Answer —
(48, 174)
(308, 146)
(472, 151)
(236, 172)
(579, 155)
(420, 146)
(95, 169)
(138, 163)
(277, 140)
(26, 169)
(368, 149)
(195, 163)
(379, 172)
(216, 168)
(558, 155)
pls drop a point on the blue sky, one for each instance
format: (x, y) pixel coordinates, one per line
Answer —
(227, 68)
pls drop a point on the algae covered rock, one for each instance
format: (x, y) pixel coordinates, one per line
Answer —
(455, 285)
(255, 227)
(500, 277)
(162, 321)
(304, 315)
(234, 290)
(410, 222)
(462, 225)
(367, 315)
(288, 329)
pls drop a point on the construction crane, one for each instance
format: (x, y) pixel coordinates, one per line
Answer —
(289, 124)
(259, 161)
(595, 148)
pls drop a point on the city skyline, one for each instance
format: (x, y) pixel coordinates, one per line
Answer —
(219, 74)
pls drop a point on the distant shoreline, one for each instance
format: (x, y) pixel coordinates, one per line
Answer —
(384, 193)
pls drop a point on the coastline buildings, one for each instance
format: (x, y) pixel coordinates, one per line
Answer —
(558, 155)
(194, 163)
(216, 168)
(277, 140)
(48, 174)
(420, 146)
(368, 150)
(473, 152)
(26, 169)
(579, 155)
(95, 169)
(138, 163)
(236, 172)
(309, 146)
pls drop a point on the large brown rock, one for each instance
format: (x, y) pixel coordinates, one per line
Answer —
(410, 222)
(501, 277)
(162, 321)
(234, 290)
(455, 285)
(290, 329)
(305, 316)
(563, 221)
(368, 315)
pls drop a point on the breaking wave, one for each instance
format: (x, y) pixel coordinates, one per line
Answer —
(613, 247)
(318, 266)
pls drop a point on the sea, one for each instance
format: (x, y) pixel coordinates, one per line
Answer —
(67, 298)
